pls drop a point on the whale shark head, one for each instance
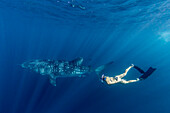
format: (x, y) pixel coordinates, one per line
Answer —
(31, 64)
(40, 66)
(28, 65)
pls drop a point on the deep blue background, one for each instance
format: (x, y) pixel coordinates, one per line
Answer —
(100, 31)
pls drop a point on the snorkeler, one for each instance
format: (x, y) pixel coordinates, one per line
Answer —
(119, 78)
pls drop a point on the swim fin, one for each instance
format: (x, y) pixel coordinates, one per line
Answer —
(139, 69)
(147, 73)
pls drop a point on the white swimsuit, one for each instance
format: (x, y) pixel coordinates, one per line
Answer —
(118, 79)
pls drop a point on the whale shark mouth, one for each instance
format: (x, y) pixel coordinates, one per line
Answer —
(28, 65)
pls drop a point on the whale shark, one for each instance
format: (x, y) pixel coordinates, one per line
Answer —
(61, 68)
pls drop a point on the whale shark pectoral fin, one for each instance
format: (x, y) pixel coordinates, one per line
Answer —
(52, 80)
(78, 61)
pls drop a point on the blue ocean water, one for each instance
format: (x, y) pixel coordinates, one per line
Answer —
(100, 31)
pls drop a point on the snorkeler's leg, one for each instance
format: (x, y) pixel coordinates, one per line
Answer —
(129, 81)
(126, 71)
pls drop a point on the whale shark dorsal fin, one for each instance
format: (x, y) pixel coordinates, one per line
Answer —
(78, 61)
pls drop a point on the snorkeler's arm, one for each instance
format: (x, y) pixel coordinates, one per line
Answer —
(129, 81)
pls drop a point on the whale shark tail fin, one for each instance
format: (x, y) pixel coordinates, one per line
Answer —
(102, 67)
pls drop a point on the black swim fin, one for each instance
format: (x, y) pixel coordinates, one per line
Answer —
(139, 69)
(147, 73)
